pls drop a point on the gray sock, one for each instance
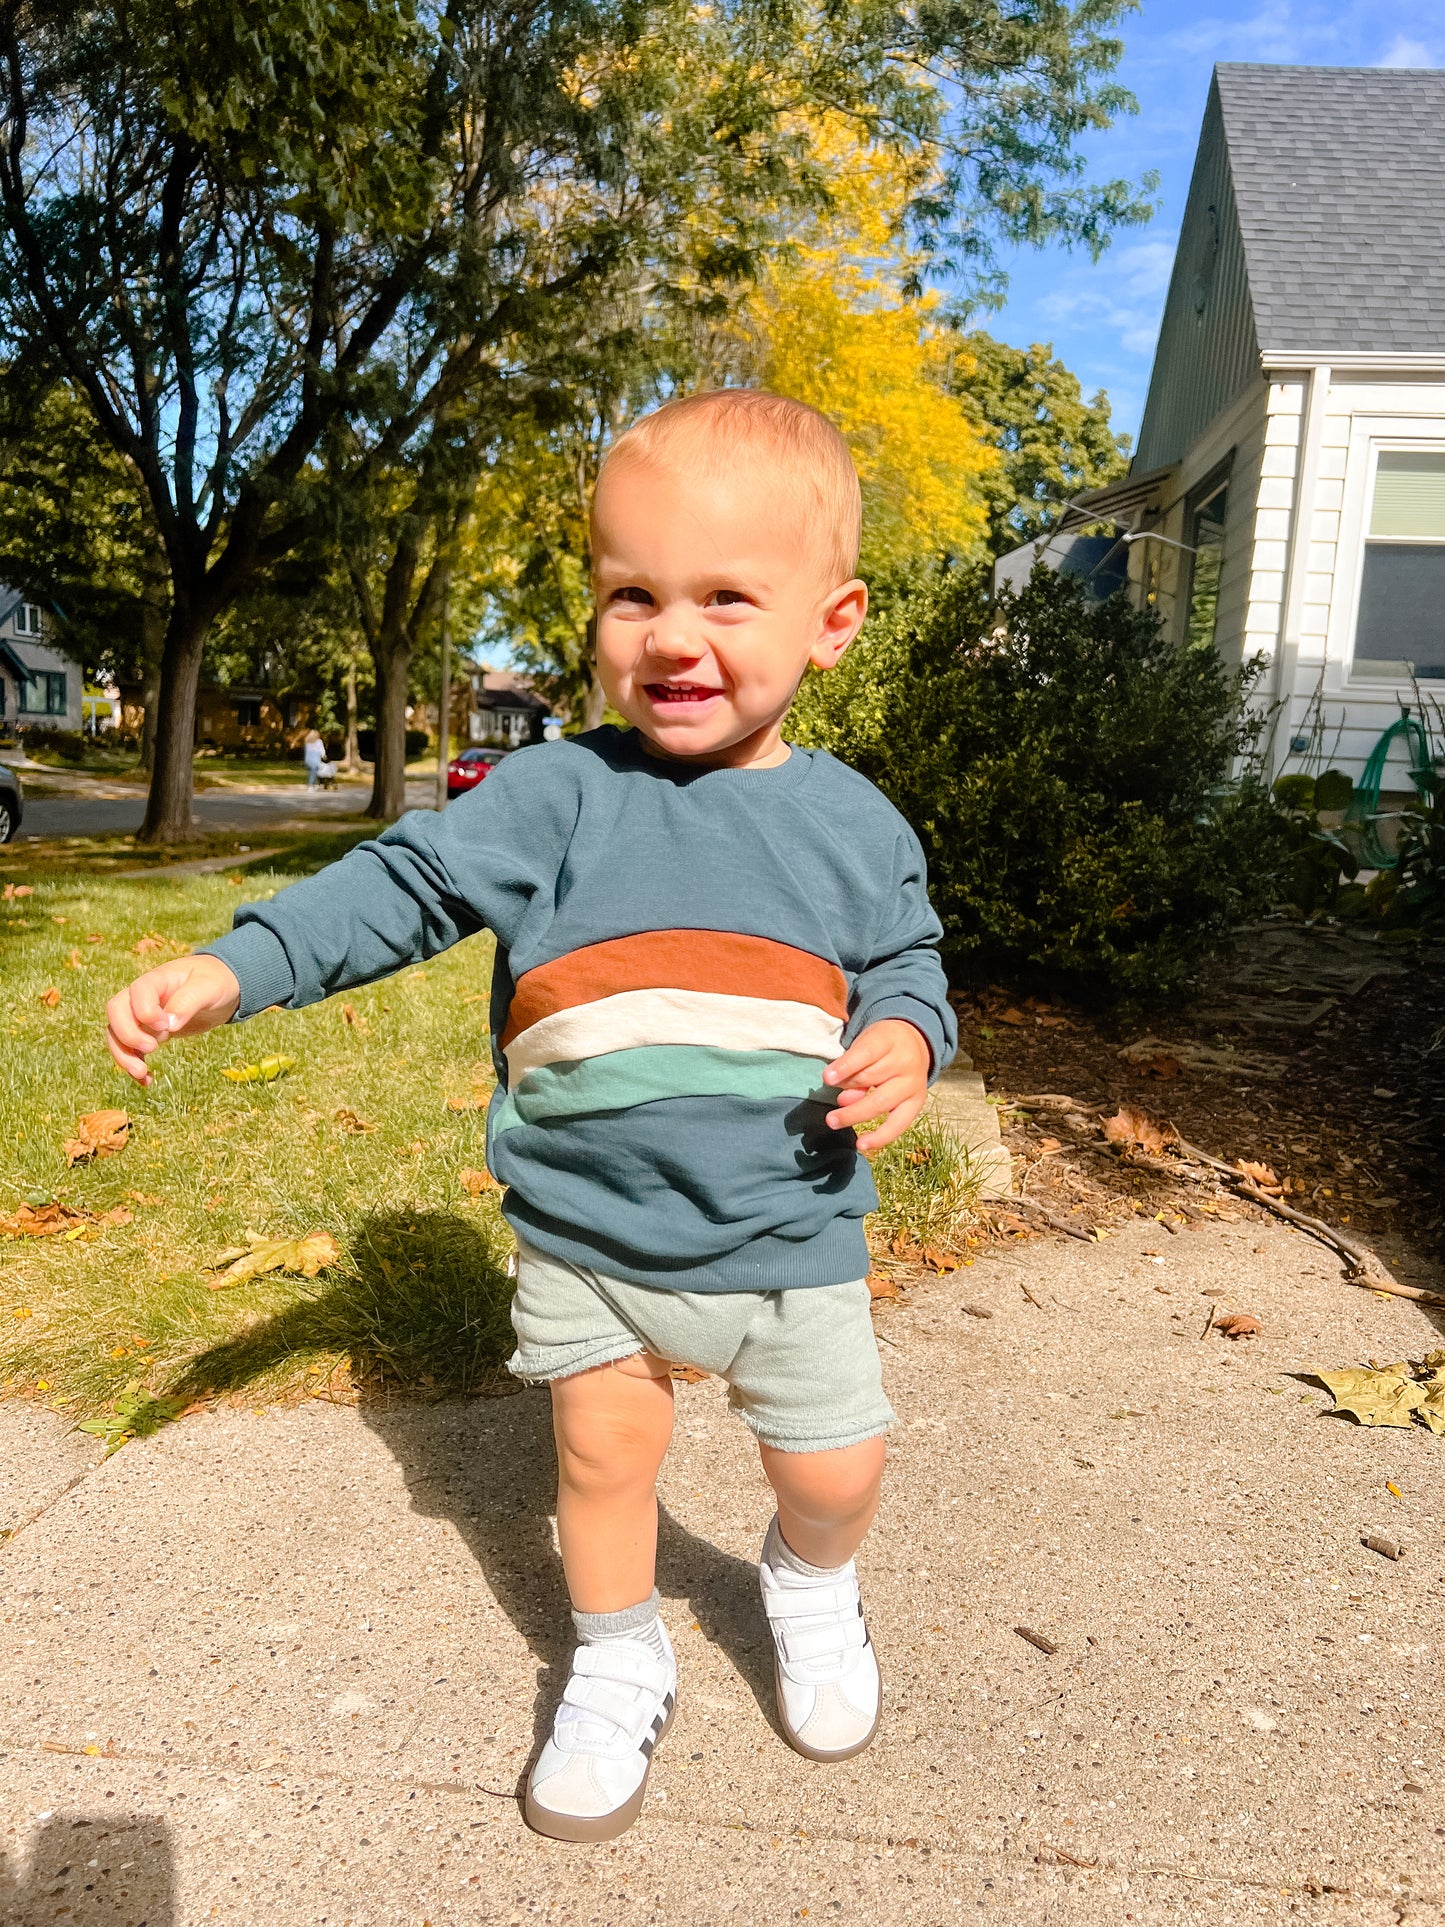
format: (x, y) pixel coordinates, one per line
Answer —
(641, 1623)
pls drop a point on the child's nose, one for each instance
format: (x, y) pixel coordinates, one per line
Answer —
(672, 635)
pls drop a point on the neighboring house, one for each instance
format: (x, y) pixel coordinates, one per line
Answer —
(504, 709)
(239, 717)
(39, 688)
(1287, 498)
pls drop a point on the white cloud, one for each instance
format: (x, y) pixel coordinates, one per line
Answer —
(1404, 52)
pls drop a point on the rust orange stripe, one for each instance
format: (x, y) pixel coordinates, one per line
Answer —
(719, 960)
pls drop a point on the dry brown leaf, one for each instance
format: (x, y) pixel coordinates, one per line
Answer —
(881, 1286)
(1259, 1174)
(1238, 1324)
(45, 1220)
(351, 1019)
(18, 890)
(1048, 1144)
(474, 1183)
(75, 960)
(1132, 1129)
(50, 998)
(687, 1374)
(145, 945)
(351, 1123)
(941, 1261)
(305, 1256)
(1013, 1015)
(466, 1103)
(99, 1134)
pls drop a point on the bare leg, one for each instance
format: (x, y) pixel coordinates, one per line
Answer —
(826, 1500)
(612, 1427)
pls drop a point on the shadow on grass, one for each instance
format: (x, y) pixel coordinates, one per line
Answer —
(423, 1310)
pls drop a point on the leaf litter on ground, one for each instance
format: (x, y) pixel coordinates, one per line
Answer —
(306, 1256)
(1394, 1394)
(50, 1220)
(99, 1134)
(1131, 1129)
(266, 1072)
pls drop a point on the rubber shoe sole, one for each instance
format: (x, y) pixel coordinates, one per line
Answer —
(595, 1826)
(813, 1752)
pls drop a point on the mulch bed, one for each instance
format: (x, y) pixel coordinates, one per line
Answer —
(1348, 1110)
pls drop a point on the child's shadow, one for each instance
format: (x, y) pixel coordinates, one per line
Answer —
(489, 1467)
(423, 1304)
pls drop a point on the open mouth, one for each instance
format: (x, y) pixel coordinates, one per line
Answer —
(670, 693)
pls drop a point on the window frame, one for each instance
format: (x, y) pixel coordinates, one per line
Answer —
(1370, 438)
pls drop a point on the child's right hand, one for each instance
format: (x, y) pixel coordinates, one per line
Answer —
(179, 999)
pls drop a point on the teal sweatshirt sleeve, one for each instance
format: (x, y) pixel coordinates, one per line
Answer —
(904, 976)
(416, 889)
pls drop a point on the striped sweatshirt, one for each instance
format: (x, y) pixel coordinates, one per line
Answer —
(680, 953)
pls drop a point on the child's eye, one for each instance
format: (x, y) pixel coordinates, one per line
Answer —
(726, 598)
(631, 594)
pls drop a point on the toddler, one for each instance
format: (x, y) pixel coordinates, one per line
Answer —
(715, 963)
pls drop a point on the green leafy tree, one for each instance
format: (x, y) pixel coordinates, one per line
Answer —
(1053, 443)
(318, 235)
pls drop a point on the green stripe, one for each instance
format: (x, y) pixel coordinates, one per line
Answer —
(619, 1079)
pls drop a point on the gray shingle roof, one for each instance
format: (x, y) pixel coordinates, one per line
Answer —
(1339, 175)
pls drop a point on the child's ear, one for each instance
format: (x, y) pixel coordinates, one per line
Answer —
(841, 619)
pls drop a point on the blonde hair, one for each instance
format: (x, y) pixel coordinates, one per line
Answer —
(708, 432)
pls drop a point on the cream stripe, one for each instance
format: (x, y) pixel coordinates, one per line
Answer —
(633, 1019)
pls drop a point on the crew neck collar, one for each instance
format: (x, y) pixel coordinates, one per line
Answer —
(778, 776)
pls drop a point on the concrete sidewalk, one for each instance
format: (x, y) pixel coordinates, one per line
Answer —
(290, 1668)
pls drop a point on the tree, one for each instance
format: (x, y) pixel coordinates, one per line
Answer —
(1053, 443)
(300, 239)
(75, 537)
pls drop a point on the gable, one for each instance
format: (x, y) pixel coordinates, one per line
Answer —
(1208, 350)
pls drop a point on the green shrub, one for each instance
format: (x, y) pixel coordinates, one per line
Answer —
(1317, 859)
(1069, 772)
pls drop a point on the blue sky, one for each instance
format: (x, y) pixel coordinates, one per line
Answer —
(1103, 317)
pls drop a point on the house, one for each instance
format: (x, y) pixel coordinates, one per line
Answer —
(504, 710)
(234, 717)
(1287, 497)
(39, 688)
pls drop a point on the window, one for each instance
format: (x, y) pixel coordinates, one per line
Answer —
(1400, 629)
(248, 712)
(1207, 541)
(27, 619)
(43, 693)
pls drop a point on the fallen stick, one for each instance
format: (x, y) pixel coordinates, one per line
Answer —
(1056, 1224)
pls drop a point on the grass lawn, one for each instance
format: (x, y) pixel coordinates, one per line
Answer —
(366, 1138)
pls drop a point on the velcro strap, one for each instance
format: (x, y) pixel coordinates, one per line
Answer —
(626, 1665)
(808, 1602)
(804, 1643)
(620, 1705)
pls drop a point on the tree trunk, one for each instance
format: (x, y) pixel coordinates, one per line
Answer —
(352, 760)
(168, 806)
(153, 642)
(150, 697)
(444, 707)
(391, 654)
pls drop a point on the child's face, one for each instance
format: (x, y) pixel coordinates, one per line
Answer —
(711, 603)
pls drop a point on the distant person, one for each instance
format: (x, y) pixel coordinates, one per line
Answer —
(716, 961)
(319, 772)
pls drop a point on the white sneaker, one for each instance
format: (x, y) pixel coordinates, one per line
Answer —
(829, 1691)
(590, 1777)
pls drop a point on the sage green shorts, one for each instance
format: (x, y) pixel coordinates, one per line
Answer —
(801, 1366)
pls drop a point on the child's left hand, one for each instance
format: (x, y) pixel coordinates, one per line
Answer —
(885, 1069)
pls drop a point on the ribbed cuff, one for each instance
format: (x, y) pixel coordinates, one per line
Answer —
(619, 1625)
(257, 957)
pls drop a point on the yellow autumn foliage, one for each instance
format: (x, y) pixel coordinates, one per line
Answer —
(830, 323)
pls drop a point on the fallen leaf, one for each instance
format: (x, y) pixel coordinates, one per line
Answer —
(1259, 1174)
(918, 1155)
(99, 1134)
(1390, 1486)
(881, 1286)
(145, 945)
(95, 937)
(1010, 1016)
(305, 1256)
(1133, 1129)
(46, 1220)
(266, 1072)
(1048, 1144)
(466, 1103)
(18, 890)
(941, 1261)
(50, 998)
(686, 1374)
(350, 1018)
(351, 1123)
(75, 960)
(1431, 1408)
(476, 1182)
(1238, 1324)
(1375, 1398)
(135, 1413)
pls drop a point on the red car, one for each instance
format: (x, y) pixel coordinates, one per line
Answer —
(464, 772)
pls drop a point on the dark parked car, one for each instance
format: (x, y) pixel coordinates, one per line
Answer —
(12, 803)
(464, 772)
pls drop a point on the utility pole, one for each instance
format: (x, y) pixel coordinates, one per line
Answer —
(444, 707)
